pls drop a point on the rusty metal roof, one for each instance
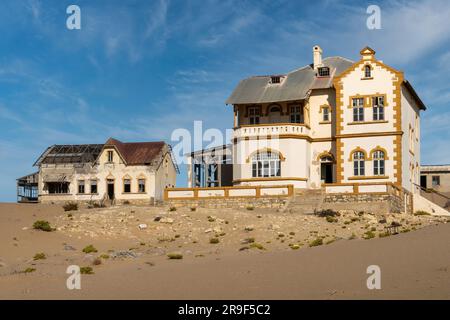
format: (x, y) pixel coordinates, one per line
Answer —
(137, 153)
(294, 86)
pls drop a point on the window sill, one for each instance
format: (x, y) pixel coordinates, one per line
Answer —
(367, 122)
(124, 193)
(368, 177)
(87, 194)
(368, 78)
(325, 122)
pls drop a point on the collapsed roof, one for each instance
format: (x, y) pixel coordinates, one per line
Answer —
(70, 154)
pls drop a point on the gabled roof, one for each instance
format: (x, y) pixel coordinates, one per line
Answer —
(295, 86)
(137, 153)
(70, 154)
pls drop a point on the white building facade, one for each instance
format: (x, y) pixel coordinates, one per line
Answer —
(332, 123)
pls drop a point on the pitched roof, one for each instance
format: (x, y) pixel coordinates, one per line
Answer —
(137, 153)
(295, 85)
(70, 154)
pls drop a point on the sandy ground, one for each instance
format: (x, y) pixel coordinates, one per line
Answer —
(261, 254)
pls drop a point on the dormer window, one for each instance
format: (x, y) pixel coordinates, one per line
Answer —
(367, 71)
(275, 79)
(324, 72)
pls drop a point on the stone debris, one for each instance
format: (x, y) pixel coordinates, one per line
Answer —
(142, 226)
(125, 254)
(69, 248)
(167, 220)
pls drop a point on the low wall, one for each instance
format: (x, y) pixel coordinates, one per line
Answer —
(230, 197)
(63, 199)
(241, 203)
(376, 198)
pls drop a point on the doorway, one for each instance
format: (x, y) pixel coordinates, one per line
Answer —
(423, 182)
(326, 169)
(110, 189)
(275, 115)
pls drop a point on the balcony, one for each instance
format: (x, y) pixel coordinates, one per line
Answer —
(272, 130)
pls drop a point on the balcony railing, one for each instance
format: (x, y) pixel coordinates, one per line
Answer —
(271, 130)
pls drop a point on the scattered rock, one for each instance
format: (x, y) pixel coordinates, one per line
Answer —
(249, 228)
(167, 220)
(142, 226)
(208, 230)
(69, 248)
(89, 257)
(124, 254)
(157, 218)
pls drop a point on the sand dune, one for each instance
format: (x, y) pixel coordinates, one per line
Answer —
(414, 265)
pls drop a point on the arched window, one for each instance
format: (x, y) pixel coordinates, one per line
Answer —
(358, 163)
(367, 71)
(266, 164)
(378, 163)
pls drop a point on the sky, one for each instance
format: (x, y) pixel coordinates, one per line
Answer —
(138, 70)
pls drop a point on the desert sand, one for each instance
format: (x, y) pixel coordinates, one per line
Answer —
(260, 254)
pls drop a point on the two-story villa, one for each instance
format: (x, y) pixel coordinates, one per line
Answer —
(333, 122)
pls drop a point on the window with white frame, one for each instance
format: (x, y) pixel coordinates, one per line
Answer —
(326, 114)
(126, 185)
(296, 114)
(378, 163)
(358, 109)
(110, 156)
(324, 72)
(141, 184)
(378, 108)
(266, 164)
(81, 188)
(358, 163)
(94, 186)
(435, 181)
(254, 114)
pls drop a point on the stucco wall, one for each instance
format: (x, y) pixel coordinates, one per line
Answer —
(410, 145)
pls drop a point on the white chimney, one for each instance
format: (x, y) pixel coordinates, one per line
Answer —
(317, 57)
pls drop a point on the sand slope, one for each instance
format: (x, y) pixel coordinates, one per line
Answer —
(414, 265)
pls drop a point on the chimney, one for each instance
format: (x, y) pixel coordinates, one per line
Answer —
(317, 57)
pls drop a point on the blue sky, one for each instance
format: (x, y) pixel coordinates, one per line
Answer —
(137, 70)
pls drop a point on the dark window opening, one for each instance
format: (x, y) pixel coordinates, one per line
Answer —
(58, 187)
(81, 188)
(141, 183)
(324, 72)
(275, 80)
(127, 185)
(435, 181)
(94, 186)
